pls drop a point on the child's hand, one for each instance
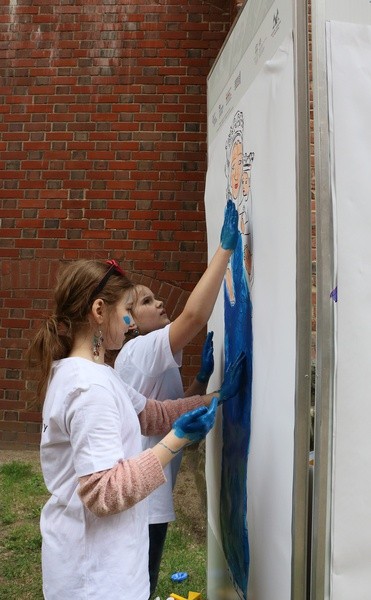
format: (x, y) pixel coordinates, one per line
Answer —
(195, 424)
(233, 378)
(229, 233)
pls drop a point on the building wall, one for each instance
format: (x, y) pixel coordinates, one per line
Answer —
(102, 154)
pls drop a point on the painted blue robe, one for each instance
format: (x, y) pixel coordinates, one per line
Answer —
(236, 428)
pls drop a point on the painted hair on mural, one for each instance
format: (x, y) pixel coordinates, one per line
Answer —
(235, 136)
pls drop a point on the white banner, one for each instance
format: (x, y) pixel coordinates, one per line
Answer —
(349, 69)
(250, 479)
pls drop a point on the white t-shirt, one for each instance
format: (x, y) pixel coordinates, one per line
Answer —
(147, 364)
(89, 423)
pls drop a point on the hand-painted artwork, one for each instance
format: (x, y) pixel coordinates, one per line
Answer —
(251, 161)
(238, 337)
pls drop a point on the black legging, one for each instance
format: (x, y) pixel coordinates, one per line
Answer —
(157, 535)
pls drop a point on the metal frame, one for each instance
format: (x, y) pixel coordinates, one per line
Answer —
(299, 574)
(325, 315)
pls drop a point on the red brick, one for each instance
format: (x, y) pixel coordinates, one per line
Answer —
(110, 136)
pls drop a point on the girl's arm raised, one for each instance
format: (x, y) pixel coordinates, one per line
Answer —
(201, 302)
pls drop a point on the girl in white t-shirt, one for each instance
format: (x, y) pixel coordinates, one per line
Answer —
(150, 359)
(95, 524)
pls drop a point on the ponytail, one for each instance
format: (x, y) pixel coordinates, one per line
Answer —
(52, 342)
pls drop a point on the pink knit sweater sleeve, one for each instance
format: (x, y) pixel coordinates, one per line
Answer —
(157, 417)
(117, 489)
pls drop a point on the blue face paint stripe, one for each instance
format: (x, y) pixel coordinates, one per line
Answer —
(126, 320)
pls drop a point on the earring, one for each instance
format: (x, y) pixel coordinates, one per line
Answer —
(133, 330)
(97, 343)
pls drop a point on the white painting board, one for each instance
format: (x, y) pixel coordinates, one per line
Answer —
(341, 76)
(349, 77)
(261, 86)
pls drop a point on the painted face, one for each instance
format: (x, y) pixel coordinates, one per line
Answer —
(245, 184)
(149, 313)
(119, 321)
(235, 169)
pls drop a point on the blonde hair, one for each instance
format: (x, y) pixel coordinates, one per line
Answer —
(77, 287)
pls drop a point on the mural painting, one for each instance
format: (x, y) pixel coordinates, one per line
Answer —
(238, 337)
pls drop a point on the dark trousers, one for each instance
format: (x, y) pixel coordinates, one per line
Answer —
(157, 535)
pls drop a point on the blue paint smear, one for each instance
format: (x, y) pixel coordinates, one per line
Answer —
(236, 429)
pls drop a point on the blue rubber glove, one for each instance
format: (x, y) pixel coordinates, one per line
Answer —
(233, 378)
(195, 424)
(229, 233)
(207, 359)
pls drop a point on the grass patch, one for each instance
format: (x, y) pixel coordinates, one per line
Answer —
(23, 494)
(183, 551)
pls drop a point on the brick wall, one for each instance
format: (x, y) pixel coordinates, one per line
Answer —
(102, 154)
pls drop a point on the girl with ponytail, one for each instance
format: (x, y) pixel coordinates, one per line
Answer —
(95, 524)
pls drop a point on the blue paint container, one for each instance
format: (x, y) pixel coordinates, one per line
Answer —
(179, 576)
